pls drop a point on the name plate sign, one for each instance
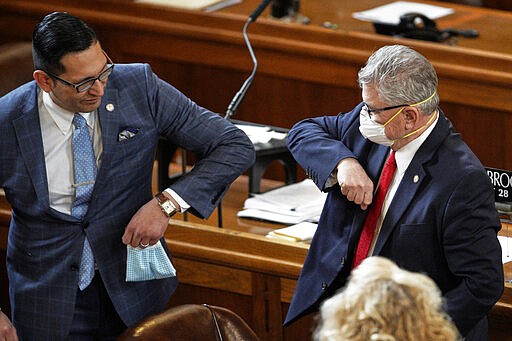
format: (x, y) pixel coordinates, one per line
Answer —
(502, 182)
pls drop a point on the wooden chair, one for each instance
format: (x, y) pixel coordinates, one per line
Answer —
(192, 322)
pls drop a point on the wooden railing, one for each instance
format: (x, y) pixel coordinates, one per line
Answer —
(252, 275)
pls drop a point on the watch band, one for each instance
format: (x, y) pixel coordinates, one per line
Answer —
(166, 205)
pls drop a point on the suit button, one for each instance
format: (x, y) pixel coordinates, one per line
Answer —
(74, 267)
(85, 225)
(342, 260)
(324, 285)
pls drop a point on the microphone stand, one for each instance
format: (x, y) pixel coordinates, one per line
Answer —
(237, 99)
(239, 96)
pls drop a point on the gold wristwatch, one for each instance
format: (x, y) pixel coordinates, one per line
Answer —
(166, 204)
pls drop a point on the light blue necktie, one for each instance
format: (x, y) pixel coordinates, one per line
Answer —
(85, 175)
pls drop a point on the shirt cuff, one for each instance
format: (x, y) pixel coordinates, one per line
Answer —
(183, 204)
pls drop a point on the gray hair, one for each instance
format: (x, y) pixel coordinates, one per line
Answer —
(401, 76)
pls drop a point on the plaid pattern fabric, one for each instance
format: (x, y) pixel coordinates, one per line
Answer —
(148, 263)
(45, 246)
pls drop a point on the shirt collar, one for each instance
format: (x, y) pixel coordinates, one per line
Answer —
(405, 154)
(64, 118)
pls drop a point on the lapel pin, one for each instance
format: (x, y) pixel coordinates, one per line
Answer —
(109, 107)
(416, 179)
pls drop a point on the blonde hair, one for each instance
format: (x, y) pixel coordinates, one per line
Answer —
(382, 302)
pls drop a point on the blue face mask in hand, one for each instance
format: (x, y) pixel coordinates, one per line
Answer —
(148, 263)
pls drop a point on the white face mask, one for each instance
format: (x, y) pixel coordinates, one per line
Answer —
(376, 132)
(372, 130)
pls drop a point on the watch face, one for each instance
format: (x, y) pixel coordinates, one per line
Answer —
(167, 206)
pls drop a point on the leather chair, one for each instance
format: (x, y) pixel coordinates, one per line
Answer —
(191, 322)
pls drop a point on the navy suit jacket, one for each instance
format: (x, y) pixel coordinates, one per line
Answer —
(441, 222)
(45, 246)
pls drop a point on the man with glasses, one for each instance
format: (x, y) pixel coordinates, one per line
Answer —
(86, 84)
(431, 210)
(77, 151)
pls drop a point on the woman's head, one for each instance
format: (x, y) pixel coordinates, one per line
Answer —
(382, 302)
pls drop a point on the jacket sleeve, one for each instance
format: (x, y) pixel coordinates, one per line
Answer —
(222, 150)
(318, 144)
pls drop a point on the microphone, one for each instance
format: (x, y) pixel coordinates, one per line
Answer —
(237, 99)
(261, 7)
(285, 8)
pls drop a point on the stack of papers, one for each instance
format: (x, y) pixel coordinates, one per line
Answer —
(291, 204)
(390, 13)
(301, 232)
(260, 134)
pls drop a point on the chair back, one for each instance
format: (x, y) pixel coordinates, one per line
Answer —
(192, 322)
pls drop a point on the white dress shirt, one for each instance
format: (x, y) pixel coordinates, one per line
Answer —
(57, 132)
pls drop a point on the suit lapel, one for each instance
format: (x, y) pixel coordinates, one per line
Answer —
(411, 182)
(108, 112)
(30, 142)
(377, 156)
(413, 178)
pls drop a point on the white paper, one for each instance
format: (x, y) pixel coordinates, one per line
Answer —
(390, 13)
(276, 217)
(299, 232)
(260, 134)
(296, 197)
(506, 245)
(291, 204)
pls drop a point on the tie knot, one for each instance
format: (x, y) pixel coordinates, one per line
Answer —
(79, 121)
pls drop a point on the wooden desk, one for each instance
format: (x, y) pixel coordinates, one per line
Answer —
(304, 70)
(238, 268)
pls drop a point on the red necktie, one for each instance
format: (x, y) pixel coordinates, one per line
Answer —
(371, 220)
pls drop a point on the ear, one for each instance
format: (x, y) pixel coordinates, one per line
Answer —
(44, 81)
(411, 116)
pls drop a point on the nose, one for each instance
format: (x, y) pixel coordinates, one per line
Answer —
(98, 88)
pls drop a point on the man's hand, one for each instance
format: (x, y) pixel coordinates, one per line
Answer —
(147, 226)
(354, 182)
(7, 330)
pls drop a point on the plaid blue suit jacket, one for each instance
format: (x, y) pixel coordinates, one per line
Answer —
(44, 246)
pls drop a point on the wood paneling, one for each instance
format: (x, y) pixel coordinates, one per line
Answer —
(304, 70)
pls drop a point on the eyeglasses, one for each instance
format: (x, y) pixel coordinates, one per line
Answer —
(376, 111)
(88, 83)
(372, 112)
